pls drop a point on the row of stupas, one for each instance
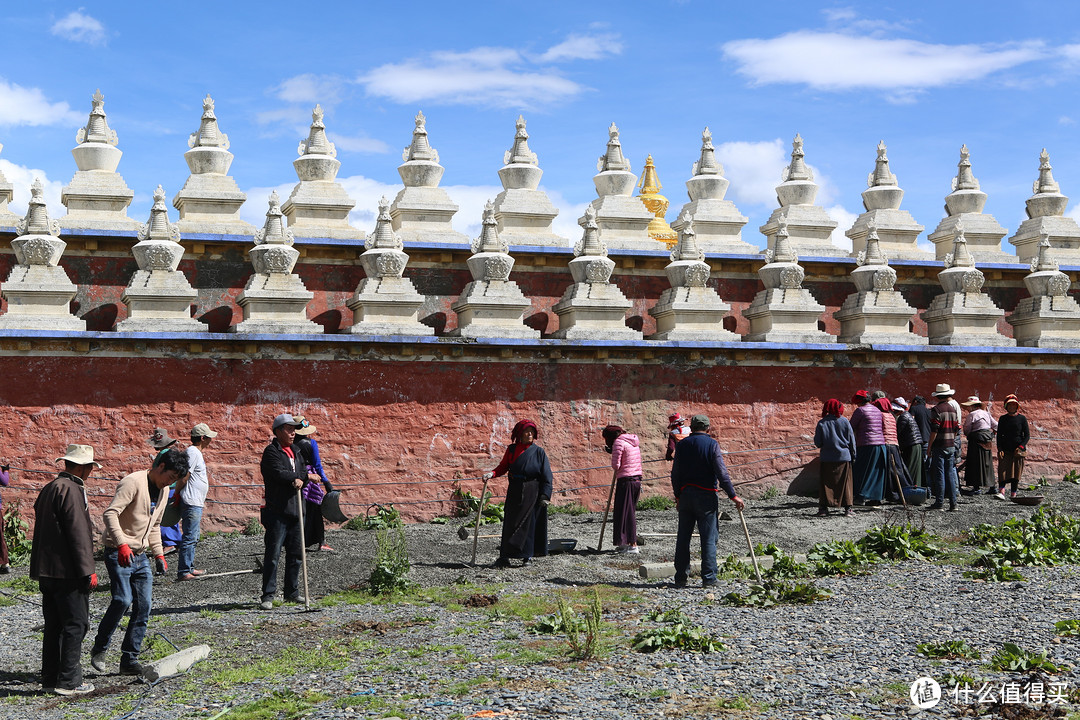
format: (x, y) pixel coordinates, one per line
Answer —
(275, 300)
(97, 198)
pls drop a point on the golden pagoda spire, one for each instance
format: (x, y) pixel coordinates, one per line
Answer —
(657, 204)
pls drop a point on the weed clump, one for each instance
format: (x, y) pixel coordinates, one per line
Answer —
(392, 565)
(677, 633)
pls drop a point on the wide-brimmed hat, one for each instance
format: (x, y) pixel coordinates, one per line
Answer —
(160, 439)
(943, 390)
(899, 403)
(972, 400)
(79, 455)
(284, 419)
(305, 428)
(202, 430)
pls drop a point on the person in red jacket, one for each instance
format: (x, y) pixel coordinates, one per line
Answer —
(62, 561)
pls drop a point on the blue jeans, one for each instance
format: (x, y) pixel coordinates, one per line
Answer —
(190, 517)
(281, 530)
(132, 587)
(943, 475)
(696, 507)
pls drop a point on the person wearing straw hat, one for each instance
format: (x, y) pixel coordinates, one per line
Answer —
(698, 474)
(132, 535)
(192, 500)
(62, 561)
(911, 441)
(979, 429)
(284, 473)
(1013, 437)
(314, 492)
(944, 429)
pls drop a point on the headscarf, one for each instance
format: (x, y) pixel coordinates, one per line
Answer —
(519, 430)
(611, 433)
(1012, 399)
(832, 407)
(883, 405)
(674, 420)
(860, 396)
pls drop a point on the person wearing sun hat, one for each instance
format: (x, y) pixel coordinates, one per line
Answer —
(192, 500)
(314, 492)
(944, 428)
(979, 429)
(910, 440)
(62, 561)
(1012, 439)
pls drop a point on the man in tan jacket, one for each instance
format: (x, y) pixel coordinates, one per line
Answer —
(133, 529)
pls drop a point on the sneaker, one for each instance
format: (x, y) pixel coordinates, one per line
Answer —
(1000, 495)
(847, 511)
(621, 548)
(708, 584)
(326, 548)
(936, 506)
(1012, 496)
(266, 605)
(5, 569)
(81, 690)
(295, 599)
(633, 550)
(188, 576)
(97, 661)
(131, 668)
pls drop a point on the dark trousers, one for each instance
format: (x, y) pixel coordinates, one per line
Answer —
(624, 520)
(3, 543)
(281, 530)
(314, 529)
(65, 605)
(698, 508)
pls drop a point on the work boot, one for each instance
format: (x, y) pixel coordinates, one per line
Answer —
(295, 599)
(267, 604)
(97, 661)
(132, 667)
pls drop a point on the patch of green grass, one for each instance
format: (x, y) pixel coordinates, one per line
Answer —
(574, 508)
(656, 502)
(732, 703)
(208, 614)
(331, 655)
(771, 493)
(281, 705)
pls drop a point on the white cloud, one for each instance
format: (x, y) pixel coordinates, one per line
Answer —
(754, 170)
(290, 117)
(77, 26)
(499, 77)
(358, 144)
(844, 220)
(584, 47)
(29, 106)
(837, 61)
(310, 88)
(22, 177)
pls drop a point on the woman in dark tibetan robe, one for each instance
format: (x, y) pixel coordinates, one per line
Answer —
(528, 492)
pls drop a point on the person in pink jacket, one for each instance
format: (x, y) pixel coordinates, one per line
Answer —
(626, 462)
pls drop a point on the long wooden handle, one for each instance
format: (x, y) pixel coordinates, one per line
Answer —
(750, 544)
(479, 515)
(607, 509)
(303, 546)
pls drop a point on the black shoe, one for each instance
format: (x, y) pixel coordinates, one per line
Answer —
(502, 563)
(526, 561)
(952, 507)
(936, 506)
(131, 668)
(679, 583)
(708, 585)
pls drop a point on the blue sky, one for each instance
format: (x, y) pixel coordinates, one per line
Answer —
(925, 77)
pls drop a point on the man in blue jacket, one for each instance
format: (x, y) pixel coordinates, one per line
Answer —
(697, 475)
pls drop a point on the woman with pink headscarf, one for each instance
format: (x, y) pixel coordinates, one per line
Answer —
(837, 442)
(528, 492)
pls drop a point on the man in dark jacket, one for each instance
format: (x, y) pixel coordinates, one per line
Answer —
(697, 475)
(284, 472)
(62, 561)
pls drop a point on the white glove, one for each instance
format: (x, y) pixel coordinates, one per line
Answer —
(488, 475)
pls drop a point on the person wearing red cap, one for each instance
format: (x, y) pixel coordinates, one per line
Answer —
(528, 492)
(1012, 439)
(677, 430)
(869, 427)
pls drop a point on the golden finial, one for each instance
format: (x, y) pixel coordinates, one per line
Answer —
(657, 204)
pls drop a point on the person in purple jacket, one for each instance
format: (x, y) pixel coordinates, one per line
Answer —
(870, 460)
(626, 464)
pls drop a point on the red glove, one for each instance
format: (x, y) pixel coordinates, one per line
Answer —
(162, 566)
(92, 581)
(123, 555)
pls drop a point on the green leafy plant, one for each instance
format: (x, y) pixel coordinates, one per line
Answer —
(840, 557)
(15, 533)
(677, 633)
(1068, 628)
(252, 527)
(1047, 537)
(656, 502)
(995, 570)
(733, 567)
(468, 504)
(773, 592)
(771, 493)
(1012, 657)
(584, 643)
(392, 566)
(1073, 476)
(556, 624)
(784, 566)
(385, 516)
(901, 542)
(951, 649)
(668, 616)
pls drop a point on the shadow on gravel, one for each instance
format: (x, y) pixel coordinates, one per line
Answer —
(617, 584)
(7, 679)
(213, 607)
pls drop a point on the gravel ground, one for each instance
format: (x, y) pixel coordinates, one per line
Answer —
(459, 645)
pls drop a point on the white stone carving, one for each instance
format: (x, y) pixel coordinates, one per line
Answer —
(318, 206)
(97, 197)
(965, 204)
(1049, 318)
(385, 302)
(524, 213)
(275, 299)
(809, 226)
(897, 230)
(210, 200)
(622, 220)
(689, 309)
(37, 290)
(593, 308)
(717, 222)
(1046, 216)
(784, 311)
(492, 305)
